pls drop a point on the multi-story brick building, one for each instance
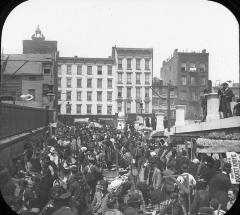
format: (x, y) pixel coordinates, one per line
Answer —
(188, 71)
(31, 72)
(133, 80)
(85, 86)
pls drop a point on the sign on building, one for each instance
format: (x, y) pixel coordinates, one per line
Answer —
(234, 159)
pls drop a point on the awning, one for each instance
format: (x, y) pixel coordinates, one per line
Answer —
(157, 134)
(205, 145)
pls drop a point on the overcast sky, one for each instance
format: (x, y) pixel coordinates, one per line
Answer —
(89, 28)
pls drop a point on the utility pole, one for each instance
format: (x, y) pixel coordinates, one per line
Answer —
(168, 106)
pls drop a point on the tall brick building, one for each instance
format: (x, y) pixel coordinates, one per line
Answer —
(188, 71)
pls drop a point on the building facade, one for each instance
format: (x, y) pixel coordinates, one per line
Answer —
(86, 86)
(159, 100)
(133, 80)
(31, 73)
(188, 72)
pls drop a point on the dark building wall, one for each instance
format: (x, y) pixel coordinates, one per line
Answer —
(39, 46)
(188, 94)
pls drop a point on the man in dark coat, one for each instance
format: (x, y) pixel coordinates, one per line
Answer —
(236, 109)
(219, 185)
(226, 95)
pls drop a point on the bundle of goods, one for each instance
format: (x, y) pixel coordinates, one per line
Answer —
(117, 182)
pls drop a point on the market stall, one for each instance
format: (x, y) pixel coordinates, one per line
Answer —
(216, 144)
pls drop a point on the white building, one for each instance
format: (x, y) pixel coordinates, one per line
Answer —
(133, 79)
(106, 86)
(85, 86)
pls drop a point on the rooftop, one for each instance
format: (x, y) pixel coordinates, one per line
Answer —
(134, 51)
(32, 66)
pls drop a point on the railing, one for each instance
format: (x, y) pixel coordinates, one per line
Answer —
(16, 119)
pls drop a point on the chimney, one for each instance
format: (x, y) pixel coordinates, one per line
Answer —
(204, 51)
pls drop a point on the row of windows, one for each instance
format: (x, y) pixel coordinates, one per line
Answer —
(193, 81)
(129, 78)
(88, 107)
(89, 83)
(192, 67)
(89, 69)
(89, 95)
(129, 64)
(129, 92)
(139, 109)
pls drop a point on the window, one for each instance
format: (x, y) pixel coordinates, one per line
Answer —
(146, 107)
(202, 67)
(202, 80)
(192, 67)
(99, 70)
(146, 64)
(69, 69)
(129, 60)
(138, 92)
(129, 78)
(99, 96)
(147, 92)
(109, 109)
(99, 109)
(89, 83)
(89, 70)
(47, 71)
(120, 78)
(59, 95)
(59, 70)
(138, 75)
(183, 95)
(193, 95)
(59, 108)
(89, 109)
(79, 108)
(119, 63)
(109, 70)
(109, 95)
(119, 92)
(89, 96)
(79, 69)
(184, 80)
(33, 93)
(147, 77)
(79, 82)
(128, 92)
(109, 83)
(99, 83)
(68, 97)
(119, 107)
(59, 82)
(128, 109)
(183, 67)
(69, 80)
(68, 108)
(192, 80)
(138, 61)
(79, 95)
(45, 89)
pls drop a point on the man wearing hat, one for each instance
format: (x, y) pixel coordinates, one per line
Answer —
(62, 205)
(226, 95)
(99, 203)
(220, 184)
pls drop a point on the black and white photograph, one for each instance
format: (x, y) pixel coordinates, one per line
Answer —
(120, 107)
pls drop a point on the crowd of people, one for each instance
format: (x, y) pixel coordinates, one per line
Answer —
(64, 175)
